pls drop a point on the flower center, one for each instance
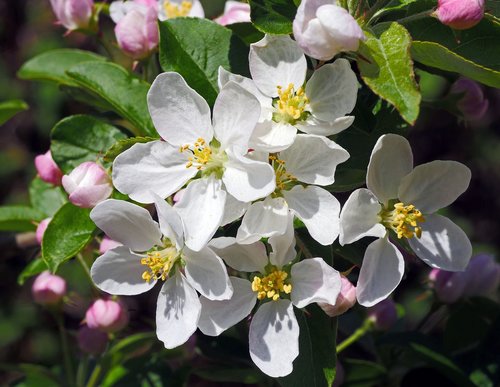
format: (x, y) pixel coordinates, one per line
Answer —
(159, 263)
(205, 157)
(290, 105)
(284, 180)
(271, 285)
(404, 220)
(173, 10)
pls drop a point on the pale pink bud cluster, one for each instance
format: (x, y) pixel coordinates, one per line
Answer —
(47, 169)
(322, 29)
(73, 14)
(460, 14)
(91, 341)
(234, 12)
(48, 289)
(480, 278)
(383, 315)
(345, 301)
(473, 104)
(107, 316)
(40, 230)
(87, 185)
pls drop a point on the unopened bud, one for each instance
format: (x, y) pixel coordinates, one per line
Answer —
(47, 169)
(92, 341)
(107, 316)
(345, 301)
(108, 244)
(473, 103)
(383, 315)
(449, 286)
(73, 14)
(460, 14)
(48, 288)
(483, 276)
(40, 230)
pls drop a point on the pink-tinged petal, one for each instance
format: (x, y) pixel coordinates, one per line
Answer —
(47, 169)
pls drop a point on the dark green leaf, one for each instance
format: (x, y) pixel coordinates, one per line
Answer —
(122, 145)
(76, 139)
(273, 16)
(67, 234)
(246, 32)
(226, 374)
(45, 197)
(33, 268)
(195, 48)
(9, 109)
(386, 67)
(119, 88)
(34, 375)
(52, 65)
(362, 373)
(19, 218)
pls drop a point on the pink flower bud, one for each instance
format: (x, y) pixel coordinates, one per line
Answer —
(87, 185)
(48, 288)
(108, 244)
(73, 14)
(323, 29)
(47, 169)
(483, 276)
(449, 286)
(137, 32)
(384, 314)
(473, 104)
(40, 230)
(92, 341)
(345, 301)
(106, 315)
(460, 14)
(234, 12)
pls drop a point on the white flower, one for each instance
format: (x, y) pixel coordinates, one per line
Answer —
(278, 68)
(280, 285)
(153, 252)
(182, 117)
(323, 29)
(404, 199)
(310, 161)
(166, 9)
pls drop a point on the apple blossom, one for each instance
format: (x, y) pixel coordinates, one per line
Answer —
(278, 69)
(106, 315)
(234, 12)
(87, 185)
(279, 285)
(223, 175)
(460, 14)
(169, 9)
(48, 288)
(152, 253)
(47, 169)
(404, 200)
(323, 29)
(73, 14)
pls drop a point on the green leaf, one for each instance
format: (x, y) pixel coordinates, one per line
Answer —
(45, 197)
(9, 109)
(76, 139)
(119, 88)
(246, 32)
(19, 218)
(52, 65)
(273, 16)
(315, 365)
(33, 268)
(195, 48)
(362, 373)
(226, 374)
(67, 234)
(386, 67)
(122, 145)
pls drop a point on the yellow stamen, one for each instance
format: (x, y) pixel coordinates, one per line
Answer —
(291, 104)
(173, 10)
(159, 264)
(271, 285)
(283, 179)
(201, 154)
(404, 220)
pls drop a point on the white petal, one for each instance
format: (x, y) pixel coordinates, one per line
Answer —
(332, 90)
(249, 257)
(390, 161)
(313, 280)
(283, 245)
(434, 185)
(270, 136)
(274, 338)
(318, 209)
(443, 244)
(201, 208)
(233, 210)
(236, 112)
(321, 128)
(154, 166)
(170, 222)
(313, 159)
(360, 217)
(207, 273)
(262, 220)
(248, 180)
(179, 113)
(177, 311)
(381, 272)
(119, 271)
(197, 10)
(277, 60)
(127, 223)
(217, 316)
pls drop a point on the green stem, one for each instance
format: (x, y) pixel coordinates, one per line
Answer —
(371, 12)
(81, 373)
(68, 365)
(94, 378)
(416, 16)
(358, 334)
